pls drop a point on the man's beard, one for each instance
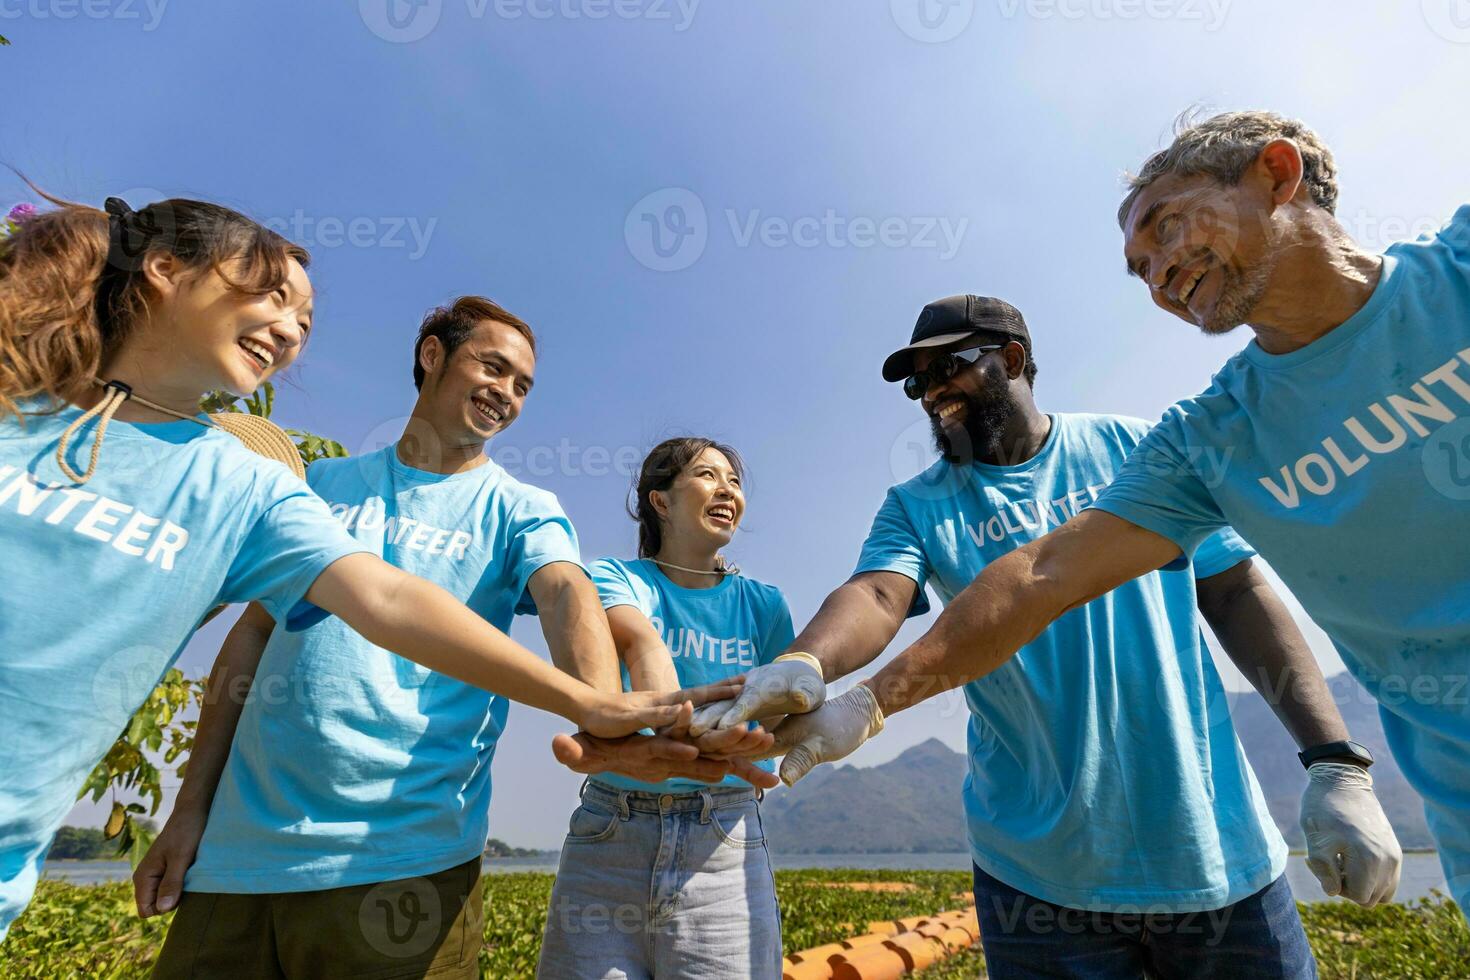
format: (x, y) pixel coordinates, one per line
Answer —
(1239, 294)
(979, 435)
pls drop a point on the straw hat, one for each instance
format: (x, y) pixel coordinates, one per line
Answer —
(263, 437)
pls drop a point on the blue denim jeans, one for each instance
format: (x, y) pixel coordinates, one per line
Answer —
(674, 885)
(1257, 938)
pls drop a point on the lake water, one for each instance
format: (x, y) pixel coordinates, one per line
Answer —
(1421, 871)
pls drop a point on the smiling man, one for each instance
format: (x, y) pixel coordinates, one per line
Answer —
(1347, 424)
(1115, 824)
(343, 836)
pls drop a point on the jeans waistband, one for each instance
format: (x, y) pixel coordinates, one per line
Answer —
(696, 801)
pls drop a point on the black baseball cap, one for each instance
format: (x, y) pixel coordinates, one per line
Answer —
(953, 318)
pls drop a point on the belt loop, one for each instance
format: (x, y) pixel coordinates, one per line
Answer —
(760, 794)
(709, 801)
(582, 790)
(623, 805)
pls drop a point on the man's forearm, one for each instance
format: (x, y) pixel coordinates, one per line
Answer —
(651, 668)
(1014, 599)
(853, 626)
(1006, 607)
(224, 699)
(1259, 635)
(576, 629)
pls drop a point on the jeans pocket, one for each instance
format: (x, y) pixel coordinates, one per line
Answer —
(590, 824)
(739, 825)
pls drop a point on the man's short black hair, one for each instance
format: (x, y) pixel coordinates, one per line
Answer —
(453, 325)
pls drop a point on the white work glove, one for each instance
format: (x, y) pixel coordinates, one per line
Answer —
(830, 733)
(1351, 847)
(789, 685)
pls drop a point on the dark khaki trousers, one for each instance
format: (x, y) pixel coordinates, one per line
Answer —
(432, 926)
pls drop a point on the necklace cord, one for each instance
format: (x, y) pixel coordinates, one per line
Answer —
(116, 392)
(725, 567)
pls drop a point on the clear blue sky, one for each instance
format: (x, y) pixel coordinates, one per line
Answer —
(506, 151)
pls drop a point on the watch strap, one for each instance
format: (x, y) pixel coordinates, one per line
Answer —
(1346, 751)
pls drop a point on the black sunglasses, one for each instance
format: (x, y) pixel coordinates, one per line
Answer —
(944, 367)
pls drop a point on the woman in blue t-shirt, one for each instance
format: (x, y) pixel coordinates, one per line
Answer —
(126, 516)
(673, 879)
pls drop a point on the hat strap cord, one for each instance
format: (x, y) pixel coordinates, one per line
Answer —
(117, 392)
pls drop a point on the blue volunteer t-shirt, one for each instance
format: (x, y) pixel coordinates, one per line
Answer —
(711, 634)
(351, 764)
(1104, 768)
(102, 584)
(1347, 464)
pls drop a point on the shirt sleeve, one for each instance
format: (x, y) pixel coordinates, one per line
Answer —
(292, 542)
(1220, 551)
(779, 633)
(615, 587)
(893, 545)
(541, 534)
(1159, 489)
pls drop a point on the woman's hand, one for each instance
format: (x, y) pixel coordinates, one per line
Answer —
(616, 715)
(652, 759)
(158, 881)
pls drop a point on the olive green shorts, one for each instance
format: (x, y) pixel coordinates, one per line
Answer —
(431, 926)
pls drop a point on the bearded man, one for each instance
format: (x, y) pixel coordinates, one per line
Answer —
(1116, 827)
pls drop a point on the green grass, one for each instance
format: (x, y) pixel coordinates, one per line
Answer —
(92, 930)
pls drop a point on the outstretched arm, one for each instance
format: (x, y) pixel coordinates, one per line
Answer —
(1014, 599)
(575, 628)
(642, 651)
(418, 620)
(1007, 606)
(857, 621)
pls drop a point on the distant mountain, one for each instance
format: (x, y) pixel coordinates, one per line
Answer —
(912, 804)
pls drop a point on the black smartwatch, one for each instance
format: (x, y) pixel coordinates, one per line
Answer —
(1354, 753)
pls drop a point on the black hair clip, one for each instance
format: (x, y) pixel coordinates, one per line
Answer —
(129, 234)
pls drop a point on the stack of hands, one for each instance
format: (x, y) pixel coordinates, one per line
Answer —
(786, 699)
(1351, 847)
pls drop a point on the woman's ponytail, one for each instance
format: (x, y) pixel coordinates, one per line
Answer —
(50, 341)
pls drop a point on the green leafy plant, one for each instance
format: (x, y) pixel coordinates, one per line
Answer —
(93, 930)
(158, 726)
(163, 723)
